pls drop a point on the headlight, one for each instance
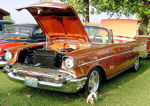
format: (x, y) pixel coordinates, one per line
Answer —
(69, 63)
(8, 56)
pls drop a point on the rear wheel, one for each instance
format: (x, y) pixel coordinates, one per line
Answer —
(136, 65)
(93, 82)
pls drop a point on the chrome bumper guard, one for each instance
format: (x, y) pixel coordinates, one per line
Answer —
(51, 79)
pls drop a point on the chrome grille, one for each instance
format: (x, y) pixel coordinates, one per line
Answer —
(54, 72)
(40, 78)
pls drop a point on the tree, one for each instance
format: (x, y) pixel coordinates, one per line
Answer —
(81, 6)
(140, 8)
(8, 18)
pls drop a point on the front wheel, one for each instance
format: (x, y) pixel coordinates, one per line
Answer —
(93, 81)
(136, 65)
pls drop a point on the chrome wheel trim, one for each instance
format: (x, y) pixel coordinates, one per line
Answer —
(137, 63)
(93, 84)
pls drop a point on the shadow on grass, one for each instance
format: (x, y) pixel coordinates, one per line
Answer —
(45, 95)
(122, 78)
(53, 93)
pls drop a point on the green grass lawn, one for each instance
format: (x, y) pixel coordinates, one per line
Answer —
(126, 89)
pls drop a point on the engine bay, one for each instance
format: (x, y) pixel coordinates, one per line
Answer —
(50, 56)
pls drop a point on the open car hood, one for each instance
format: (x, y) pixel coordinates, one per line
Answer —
(58, 21)
(121, 27)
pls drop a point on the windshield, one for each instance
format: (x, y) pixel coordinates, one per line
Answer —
(97, 34)
(19, 31)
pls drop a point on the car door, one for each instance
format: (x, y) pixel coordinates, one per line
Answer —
(122, 56)
(116, 57)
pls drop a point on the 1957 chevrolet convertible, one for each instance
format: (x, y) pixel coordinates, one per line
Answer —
(70, 60)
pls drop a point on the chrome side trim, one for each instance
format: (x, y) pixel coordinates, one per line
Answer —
(103, 58)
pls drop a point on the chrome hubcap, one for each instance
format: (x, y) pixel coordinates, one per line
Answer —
(136, 66)
(93, 81)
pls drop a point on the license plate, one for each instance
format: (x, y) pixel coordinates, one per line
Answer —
(31, 81)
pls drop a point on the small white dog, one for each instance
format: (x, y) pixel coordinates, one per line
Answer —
(92, 97)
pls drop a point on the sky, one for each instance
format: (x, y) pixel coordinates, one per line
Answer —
(25, 17)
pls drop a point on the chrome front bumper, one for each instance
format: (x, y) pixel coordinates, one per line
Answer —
(67, 83)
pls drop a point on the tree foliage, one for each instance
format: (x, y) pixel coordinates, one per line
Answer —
(8, 18)
(81, 6)
(126, 7)
(78, 5)
(140, 8)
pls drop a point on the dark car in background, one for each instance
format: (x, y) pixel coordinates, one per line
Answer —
(3, 23)
(19, 34)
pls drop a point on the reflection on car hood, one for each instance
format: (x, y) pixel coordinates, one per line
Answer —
(58, 21)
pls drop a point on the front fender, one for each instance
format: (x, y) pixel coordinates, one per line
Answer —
(16, 50)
